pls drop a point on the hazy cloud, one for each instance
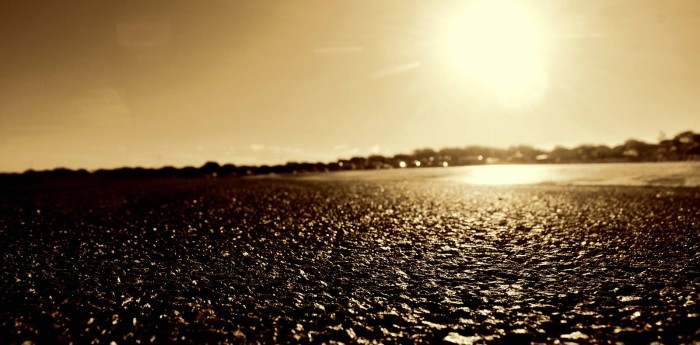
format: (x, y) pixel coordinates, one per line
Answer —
(274, 149)
(104, 100)
(257, 147)
(396, 69)
(102, 106)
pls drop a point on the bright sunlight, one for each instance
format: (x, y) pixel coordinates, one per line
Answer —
(499, 45)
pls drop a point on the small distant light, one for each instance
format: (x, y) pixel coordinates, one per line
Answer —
(481, 158)
(416, 163)
(445, 164)
(402, 164)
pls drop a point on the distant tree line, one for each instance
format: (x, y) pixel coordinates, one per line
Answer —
(684, 146)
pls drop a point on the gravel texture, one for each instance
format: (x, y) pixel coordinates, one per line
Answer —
(293, 261)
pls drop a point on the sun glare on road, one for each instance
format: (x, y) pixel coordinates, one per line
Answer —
(499, 45)
(506, 175)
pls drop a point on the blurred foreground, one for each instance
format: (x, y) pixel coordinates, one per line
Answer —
(350, 260)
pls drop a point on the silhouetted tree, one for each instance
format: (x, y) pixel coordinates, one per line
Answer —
(210, 169)
(227, 170)
(188, 172)
(683, 146)
(357, 163)
(376, 162)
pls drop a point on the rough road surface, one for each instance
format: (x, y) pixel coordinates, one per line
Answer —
(291, 261)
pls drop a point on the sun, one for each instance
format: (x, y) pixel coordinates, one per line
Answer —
(500, 46)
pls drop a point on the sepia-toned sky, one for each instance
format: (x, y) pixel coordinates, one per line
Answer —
(101, 84)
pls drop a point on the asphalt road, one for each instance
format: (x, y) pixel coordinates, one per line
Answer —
(295, 261)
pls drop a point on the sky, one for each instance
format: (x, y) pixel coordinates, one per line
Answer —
(103, 84)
